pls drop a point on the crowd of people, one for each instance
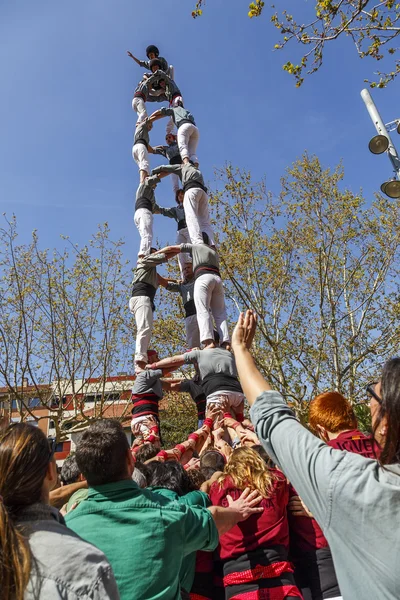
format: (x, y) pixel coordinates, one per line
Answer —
(262, 508)
(259, 508)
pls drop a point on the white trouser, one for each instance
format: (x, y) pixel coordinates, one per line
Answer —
(141, 157)
(140, 307)
(144, 223)
(209, 295)
(188, 138)
(182, 237)
(139, 106)
(197, 215)
(192, 332)
(171, 125)
(175, 182)
(235, 399)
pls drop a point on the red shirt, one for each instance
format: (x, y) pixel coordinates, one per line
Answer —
(358, 443)
(269, 528)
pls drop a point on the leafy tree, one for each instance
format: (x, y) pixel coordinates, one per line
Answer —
(63, 320)
(320, 266)
(372, 27)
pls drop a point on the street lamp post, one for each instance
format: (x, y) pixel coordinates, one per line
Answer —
(382, 143)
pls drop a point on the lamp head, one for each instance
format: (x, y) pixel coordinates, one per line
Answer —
(379, 144)
(391, 188)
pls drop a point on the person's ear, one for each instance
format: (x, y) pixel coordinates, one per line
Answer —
(51, 477)
(130, 462)
(322, 433)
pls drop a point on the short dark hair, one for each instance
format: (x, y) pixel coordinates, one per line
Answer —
(211, 462)
(197, 478)
(169, 475)
(101, 452)
(264, 455)
(70, 471)
(146, 452)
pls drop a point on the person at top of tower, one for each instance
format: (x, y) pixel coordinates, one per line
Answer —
(153, 52)
(188, 134)
(195, 200)
(182, 235)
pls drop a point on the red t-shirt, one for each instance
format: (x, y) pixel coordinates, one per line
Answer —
(355, 441)
(269, 528)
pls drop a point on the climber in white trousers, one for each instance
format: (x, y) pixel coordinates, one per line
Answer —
(144, 207)
(195, 200)
(186, 290)
(208, 291)
(188, 134)
(141, 148)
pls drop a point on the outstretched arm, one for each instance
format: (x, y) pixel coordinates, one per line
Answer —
(141, 63)
(167, 169)
(173, 385)
(171, 250)
(310, 465)
(172, 363)
(156, 115)
(163, 281)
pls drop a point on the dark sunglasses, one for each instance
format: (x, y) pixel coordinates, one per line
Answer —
(52, 447)
(371, 392)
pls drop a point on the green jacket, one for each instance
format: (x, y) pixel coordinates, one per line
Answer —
(195, 498)
(144, 535)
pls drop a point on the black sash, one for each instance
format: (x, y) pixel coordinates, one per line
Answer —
(192, 184)
(215, 382)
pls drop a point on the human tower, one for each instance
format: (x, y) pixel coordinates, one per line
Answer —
(200, 286)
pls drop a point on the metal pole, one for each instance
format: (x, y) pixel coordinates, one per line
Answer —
(381, 129)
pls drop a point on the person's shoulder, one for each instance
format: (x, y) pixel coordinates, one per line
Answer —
(62, 539)
(87, 565)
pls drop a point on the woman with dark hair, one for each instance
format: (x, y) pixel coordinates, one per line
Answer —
(356, 500)
(40, 559)
(255, 553)
(385, 412)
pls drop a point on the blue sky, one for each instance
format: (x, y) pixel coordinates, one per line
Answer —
(66, 120)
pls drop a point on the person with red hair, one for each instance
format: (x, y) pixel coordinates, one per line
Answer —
(332, 418)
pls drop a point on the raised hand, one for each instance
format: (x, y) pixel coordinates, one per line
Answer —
(245, 329)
